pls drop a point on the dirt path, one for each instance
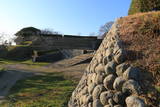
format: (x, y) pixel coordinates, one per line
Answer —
(8, 79)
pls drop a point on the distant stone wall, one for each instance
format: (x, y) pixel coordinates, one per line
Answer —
(108, 80)
(63, 42)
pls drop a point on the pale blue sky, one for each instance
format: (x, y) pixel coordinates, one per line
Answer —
(66, 16)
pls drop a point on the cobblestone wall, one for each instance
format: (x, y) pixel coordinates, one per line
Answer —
(108, 81)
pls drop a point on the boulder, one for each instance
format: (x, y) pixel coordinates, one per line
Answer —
(118, 83)
(99, 69)
(119, 98)
(97, 103)
(121, 68)
(97, 91)
(131, 73)
(133, 101)
(105, 96)
(110, 68)
(108, 81)
(91, 87)
(118, 106)
(99, 79)
(131, 87)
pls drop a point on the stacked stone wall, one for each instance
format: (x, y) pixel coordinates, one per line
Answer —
(108, 80)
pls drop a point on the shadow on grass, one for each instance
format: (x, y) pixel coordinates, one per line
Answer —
(49, 90)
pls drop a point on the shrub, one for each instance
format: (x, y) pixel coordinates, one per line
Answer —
(138, 6)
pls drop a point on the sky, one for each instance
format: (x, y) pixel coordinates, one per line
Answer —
(81, 17)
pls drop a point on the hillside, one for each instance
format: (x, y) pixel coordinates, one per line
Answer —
(141, 35)
(125, 70)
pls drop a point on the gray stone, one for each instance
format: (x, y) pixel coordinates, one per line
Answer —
(99, 69)
(88, 99)
(121, 68)
(118, 83)
(131, 87)
(119, 98)
(91, 87)
(84, 90)
(110, 68)
(99, 57)
(105, 96)
(107, 106)
(107, 59)
(111, 102)
(133, 101)
(119, 56)
(118, 106)
(97, 91)
(131, 73)
(93, 77)
(108, 81)
(99, 79)
(97, 103)
(90, 104)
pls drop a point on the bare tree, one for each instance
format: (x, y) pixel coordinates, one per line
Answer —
(49, 31)
(105, 28)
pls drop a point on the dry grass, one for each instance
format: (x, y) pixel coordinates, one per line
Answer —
(141, 35)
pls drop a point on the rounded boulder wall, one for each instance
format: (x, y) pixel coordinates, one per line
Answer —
(109, 81)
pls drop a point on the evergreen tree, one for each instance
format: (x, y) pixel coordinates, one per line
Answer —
(138, 6)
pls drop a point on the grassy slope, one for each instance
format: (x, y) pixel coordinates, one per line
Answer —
(141, 36)
(49, 90)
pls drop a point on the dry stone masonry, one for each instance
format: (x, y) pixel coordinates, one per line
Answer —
(108, 81)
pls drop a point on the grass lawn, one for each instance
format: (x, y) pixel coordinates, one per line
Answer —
(27, 62)
(49, 90)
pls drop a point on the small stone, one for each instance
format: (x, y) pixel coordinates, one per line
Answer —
(133, 101)
(108, 81)
(90, 104)
(99, 57)
(121, 68)
(118, 83)
(93, 77)
(91, 87)
(97, 103)
(111, 102)
(119, 98)
(99, 79)
(107, 106)
(110, 68)
(131, 73)
(99, 69)
(131, 87)
(84, 90)
(97, 91)
(105, 96)
(118, 106)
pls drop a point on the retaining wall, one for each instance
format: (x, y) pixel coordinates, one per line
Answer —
(108, 80)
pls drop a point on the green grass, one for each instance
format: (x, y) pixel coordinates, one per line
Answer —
(50, 90)
(27, 62)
